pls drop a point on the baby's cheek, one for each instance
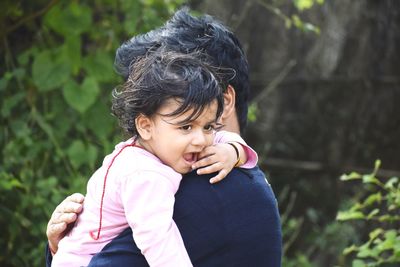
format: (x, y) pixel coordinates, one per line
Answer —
(210, 139)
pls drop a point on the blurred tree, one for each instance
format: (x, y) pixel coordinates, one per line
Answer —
(56, 77)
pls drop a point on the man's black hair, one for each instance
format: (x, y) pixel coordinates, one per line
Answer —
(185, 33)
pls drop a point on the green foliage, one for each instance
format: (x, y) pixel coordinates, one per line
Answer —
(303, 5)
(300, 24)
(294, 19)
(300, 260)
(252, 112)
(55, 85)
(379, 206)
(306, 241)
(306, 4)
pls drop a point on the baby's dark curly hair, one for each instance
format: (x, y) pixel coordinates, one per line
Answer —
(162, 75)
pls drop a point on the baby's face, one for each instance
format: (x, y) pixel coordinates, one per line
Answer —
(177, 144)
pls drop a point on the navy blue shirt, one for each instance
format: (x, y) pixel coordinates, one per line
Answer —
(232, 223)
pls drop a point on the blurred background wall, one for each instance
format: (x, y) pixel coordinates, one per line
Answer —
(326, 103)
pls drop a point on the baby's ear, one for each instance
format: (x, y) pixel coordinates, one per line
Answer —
(144, 126)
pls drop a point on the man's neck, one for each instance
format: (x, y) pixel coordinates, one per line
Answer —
(231, 124)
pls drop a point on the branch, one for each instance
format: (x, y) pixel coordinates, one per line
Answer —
(313, 166)
(293, 236)
(242, 16)
(275, 82)
(276, 11)
(31, 16)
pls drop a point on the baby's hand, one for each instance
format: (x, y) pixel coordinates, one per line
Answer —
(63, 216)
(216, 158)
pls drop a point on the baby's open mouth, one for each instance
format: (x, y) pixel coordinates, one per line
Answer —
(190, 157)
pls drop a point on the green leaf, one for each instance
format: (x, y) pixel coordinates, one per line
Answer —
(5, 80)
(19, 73)
(397, 248)
(369, 178)
(23, 58)
(377, 165)
(365, 252)
(99, 120)
(303, 4)
(72, 19)
(297, 21)
(77, 154)
(3, 83)
(373, 198)
(132, 16)
(72, 51)
(62, 117)
(372, 213)
(92, 153)
(308, 27)
(288, 23)
(150, 18)
(384, 218)
(100, 66)
(391, 235)
(252, 113)
(350, 249)
(358, 263)
(48, 130)
(351, 176)
(47, 74)
(12, 101)
(375, 233)
(349, 215)
(390, 184)
(10, 184)
(387, 244)
(81, 97)
(20, 129)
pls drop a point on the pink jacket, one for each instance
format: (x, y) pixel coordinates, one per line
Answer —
(139, 193)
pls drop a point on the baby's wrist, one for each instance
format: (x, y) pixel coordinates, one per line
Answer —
(52, 251)
(237, 148)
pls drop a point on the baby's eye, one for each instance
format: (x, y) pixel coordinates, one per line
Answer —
(186, 127)
(209, 127)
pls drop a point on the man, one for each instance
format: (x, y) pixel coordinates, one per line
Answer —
(231, 223)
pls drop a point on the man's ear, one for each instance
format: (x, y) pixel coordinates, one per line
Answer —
(229, 102)
(144, 126)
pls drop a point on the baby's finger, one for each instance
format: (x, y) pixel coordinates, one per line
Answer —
(59, 217)
(69, 207)
(203, 162)
(55, 229)
(206, 152)
(76, 197)
(210, 169)
(68, 217)
(219, 177)
(54, 233)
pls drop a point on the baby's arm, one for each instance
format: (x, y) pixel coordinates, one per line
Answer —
(229, 151)
(149, 209)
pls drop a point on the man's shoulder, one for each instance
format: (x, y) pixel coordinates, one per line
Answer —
(256, 171)
(240, 173)
(238, 177)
